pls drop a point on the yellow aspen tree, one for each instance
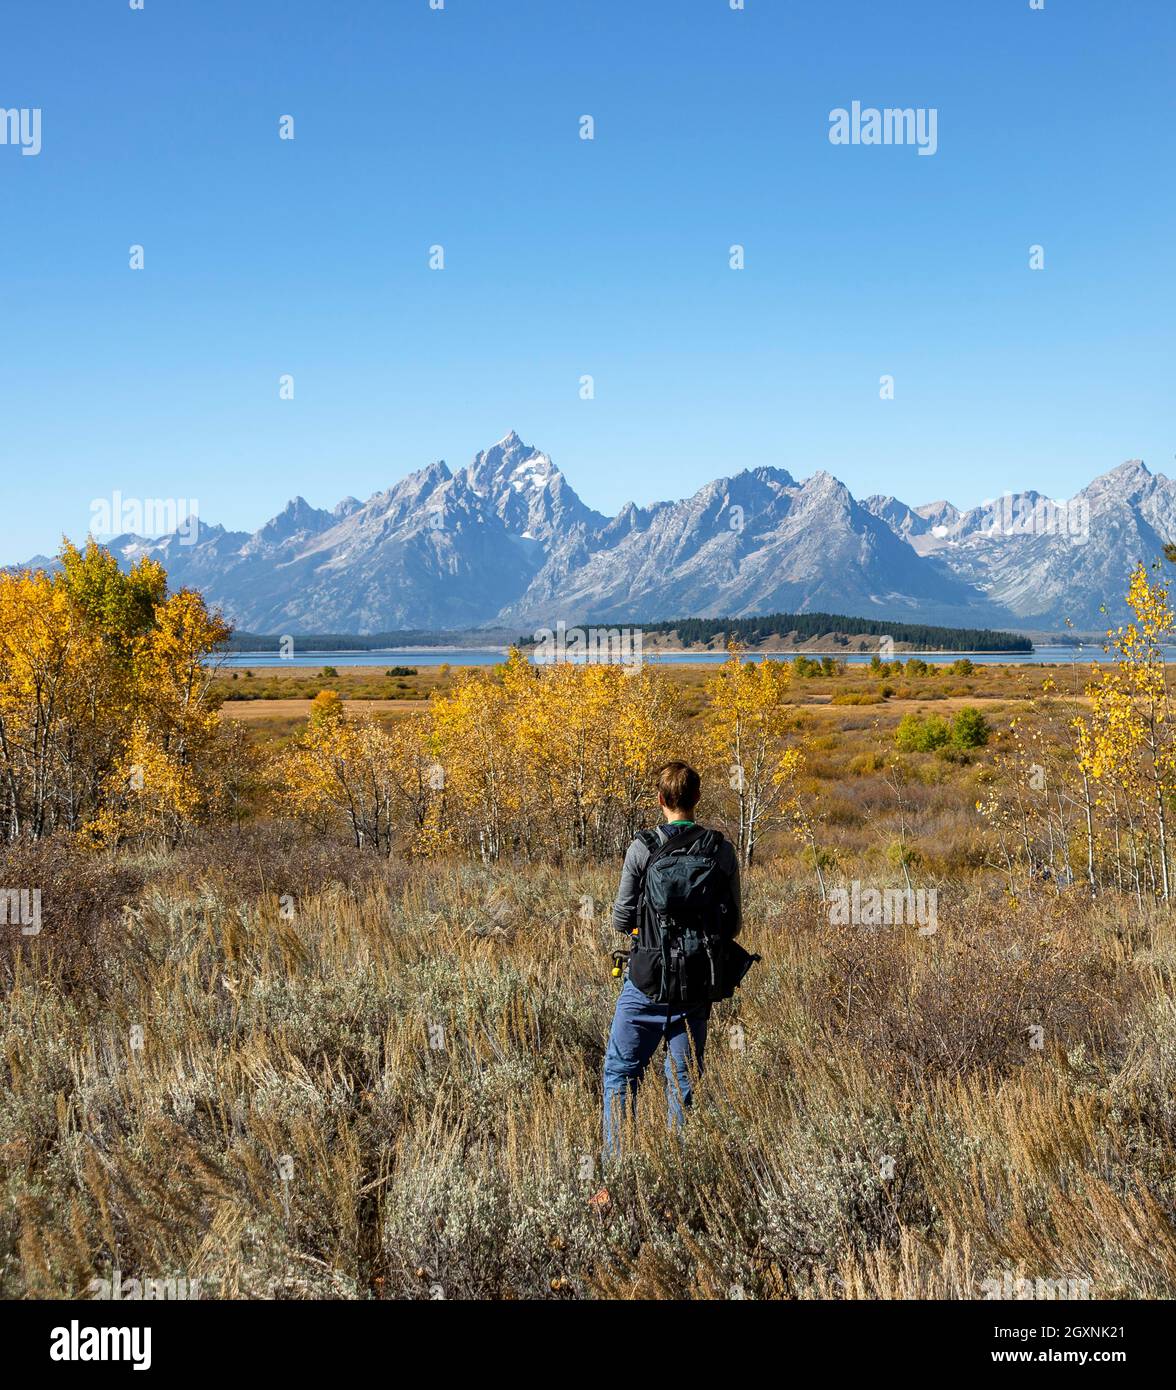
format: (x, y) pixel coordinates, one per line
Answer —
(95, 666)
(475, 740)
(1130, 741)
(342, 769)
(747, 723)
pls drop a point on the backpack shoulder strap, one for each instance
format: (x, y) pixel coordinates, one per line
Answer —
(673, 842)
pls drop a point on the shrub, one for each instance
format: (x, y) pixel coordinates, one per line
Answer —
(922, 735)
(969, 728)
(863, 763)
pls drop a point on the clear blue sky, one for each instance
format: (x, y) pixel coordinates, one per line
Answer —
(566, 257)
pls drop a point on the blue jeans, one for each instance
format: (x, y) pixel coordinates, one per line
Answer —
(637, 1028)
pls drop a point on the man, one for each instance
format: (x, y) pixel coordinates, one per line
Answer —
(640, 1022)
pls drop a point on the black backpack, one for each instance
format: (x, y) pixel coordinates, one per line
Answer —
(685, 954)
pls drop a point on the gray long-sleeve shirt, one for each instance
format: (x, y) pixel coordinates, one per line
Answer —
(624, 916)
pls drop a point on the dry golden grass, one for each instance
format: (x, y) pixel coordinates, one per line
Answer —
(281, 683)
(278, 714)
(419, 1048)
(363, 1077)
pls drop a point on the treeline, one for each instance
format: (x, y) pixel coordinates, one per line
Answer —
(551, 763)
(840, 628)
(336, 641)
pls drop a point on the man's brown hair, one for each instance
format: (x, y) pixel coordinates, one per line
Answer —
(679, 786)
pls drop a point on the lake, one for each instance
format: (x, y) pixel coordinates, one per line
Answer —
(490, 656)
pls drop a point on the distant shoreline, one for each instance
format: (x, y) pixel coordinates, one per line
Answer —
(377, 661)
(837, 653)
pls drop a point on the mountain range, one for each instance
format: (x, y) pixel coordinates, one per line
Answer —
(506, 542)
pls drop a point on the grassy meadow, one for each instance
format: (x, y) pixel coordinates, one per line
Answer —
(393, 1091)
(262, 1057)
